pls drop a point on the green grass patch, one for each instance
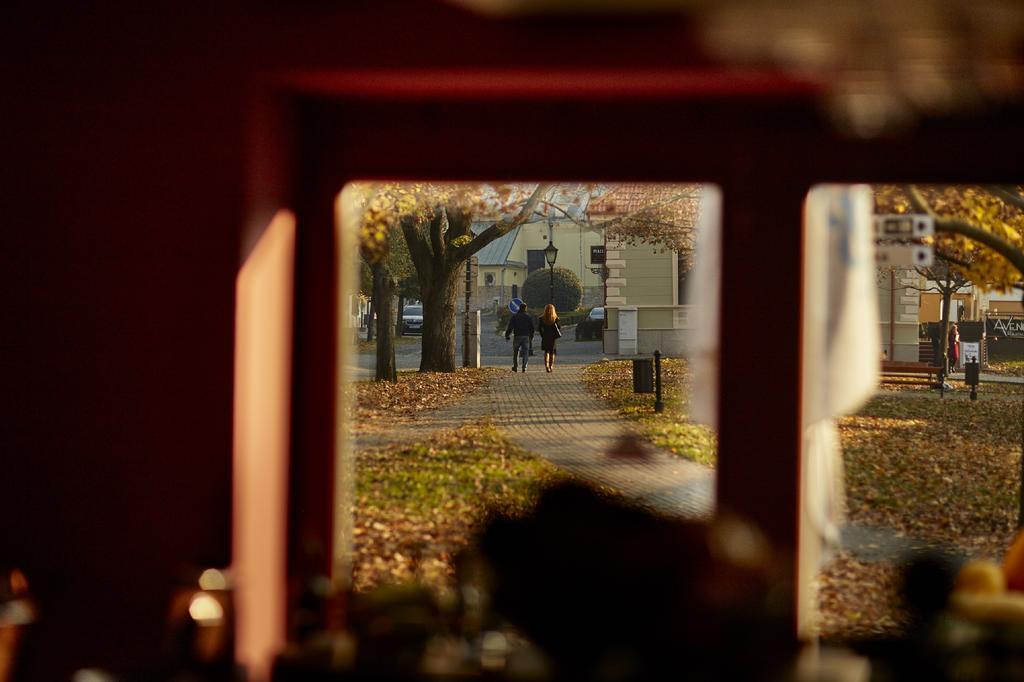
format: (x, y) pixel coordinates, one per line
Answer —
(418, 505)
(564, 318)
(672, 429)
(471, 467)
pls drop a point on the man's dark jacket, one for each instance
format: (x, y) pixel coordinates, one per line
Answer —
(521, 324)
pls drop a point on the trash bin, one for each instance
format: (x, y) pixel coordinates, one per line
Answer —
(643, 376)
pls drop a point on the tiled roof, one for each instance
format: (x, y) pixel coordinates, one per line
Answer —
(571, 198)
(497, 251)
(632, 196)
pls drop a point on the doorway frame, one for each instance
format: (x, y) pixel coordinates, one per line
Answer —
(765, 147)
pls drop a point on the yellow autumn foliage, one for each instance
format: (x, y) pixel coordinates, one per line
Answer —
(973, 205)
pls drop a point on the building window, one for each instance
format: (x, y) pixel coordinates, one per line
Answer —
(534, 260)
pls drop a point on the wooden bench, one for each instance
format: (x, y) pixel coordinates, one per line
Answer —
(896, 369)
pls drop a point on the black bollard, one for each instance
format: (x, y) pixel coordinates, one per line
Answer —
(658, 405)
(972, 374)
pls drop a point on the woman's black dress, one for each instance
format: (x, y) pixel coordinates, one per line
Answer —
(548, 334)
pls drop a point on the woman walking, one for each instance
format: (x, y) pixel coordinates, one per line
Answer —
(549, 332)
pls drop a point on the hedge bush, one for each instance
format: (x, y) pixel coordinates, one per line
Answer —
(502, 318)
(574, 317)
(564, 319)
(568, 290)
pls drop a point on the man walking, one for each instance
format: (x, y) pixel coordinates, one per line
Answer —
(520, 327)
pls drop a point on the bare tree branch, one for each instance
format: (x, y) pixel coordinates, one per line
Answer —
(605, 224)
(954, 260)
(460, 253)
(655, 223)
(924, 274)
(638, 214)
(602, 225)
(943, 284)
(549, 204)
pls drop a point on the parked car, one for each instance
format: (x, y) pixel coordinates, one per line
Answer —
(412, 319)
(592, 327)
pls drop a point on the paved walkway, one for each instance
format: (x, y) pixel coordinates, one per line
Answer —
(554, 416)
(990, 378)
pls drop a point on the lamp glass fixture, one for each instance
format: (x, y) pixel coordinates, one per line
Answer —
(550, 254)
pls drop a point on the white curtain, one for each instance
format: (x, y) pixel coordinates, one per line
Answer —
(704, 294)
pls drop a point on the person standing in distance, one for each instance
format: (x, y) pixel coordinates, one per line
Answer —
(520, 327)
(549, 333)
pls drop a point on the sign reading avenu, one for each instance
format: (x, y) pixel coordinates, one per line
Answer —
(597, 255)
(1012, 327)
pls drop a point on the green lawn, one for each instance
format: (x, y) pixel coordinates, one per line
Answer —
(937, 468)
(945, 469)
(612, 381)
(418, 505)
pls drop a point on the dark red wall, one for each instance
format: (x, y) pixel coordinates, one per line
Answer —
(122, 212)
(141, 154)
(127, 139)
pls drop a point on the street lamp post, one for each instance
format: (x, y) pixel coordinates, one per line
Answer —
(550, 254)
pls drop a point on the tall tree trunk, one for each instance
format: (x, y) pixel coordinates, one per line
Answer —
(438, 354)
(383, 294)
(439, 246)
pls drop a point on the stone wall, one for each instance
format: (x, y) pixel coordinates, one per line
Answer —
(593, 296)
(487, 294)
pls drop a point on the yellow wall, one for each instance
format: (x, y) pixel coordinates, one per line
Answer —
(513, 275)
(641, 275)
(1006, 306)
(655, 318)
(931, 305)
(571, 241)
